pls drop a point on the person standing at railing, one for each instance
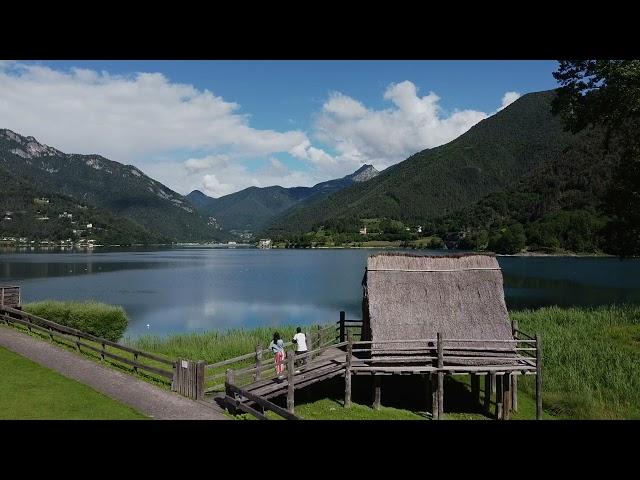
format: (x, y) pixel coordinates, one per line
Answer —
(300, 339)
(277, 347)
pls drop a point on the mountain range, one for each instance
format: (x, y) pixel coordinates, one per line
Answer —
(121, 190)
(517, 171)
(254, 208)
(487, 158)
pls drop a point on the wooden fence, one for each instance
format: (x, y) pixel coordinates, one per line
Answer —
(185, 375)
(10, 296)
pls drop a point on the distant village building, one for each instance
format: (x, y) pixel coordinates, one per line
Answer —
(363, 231)
(419, 229)
(65, 215)
(41, 201)
(42, 217)
(265, 243)
(89, 225)
(7, 218)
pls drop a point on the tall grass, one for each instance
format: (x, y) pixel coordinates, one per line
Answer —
(211, 346)
(99, 319)
(591, 357)
(591, 360)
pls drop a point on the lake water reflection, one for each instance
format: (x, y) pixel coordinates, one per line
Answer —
(196, 289)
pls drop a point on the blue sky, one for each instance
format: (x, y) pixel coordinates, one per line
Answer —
(220, 126)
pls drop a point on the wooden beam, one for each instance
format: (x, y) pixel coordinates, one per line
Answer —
(342, 318)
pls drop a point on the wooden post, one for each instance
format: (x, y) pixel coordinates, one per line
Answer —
(506, 402)
(499, 398)
(440, 378)
(290, 381)
(258, 374)
(493, 382)
(230, 376)
(135, 359)
(377, 391)
(434, 395)
(200, 379)
(101, 353)
(342, 318)
(475, 387)
(487, 392)
(50, 334)
(514, 378)
(347, 373)
(538, 378)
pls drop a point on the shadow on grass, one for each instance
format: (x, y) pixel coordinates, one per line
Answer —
(410, 392)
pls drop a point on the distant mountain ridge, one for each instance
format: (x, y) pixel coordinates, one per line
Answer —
(254, 207)
(489, 157)
(123, 190)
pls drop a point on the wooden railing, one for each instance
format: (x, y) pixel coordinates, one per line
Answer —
(253, 365)
(78, 339)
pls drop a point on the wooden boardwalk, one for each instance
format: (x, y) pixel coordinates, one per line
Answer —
(329, 364)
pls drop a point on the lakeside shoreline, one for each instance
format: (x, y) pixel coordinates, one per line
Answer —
(65, 248)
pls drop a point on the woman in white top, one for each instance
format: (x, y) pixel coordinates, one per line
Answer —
(277, 347)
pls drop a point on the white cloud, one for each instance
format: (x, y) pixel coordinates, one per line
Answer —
(126, 117)
(509, 98)
(384, 137)
(188, 138)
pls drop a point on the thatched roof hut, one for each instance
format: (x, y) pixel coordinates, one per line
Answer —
(408, 296)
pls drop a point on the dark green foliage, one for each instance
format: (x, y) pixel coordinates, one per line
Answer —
(96, 181)
(486, 159)
(606, 94)
(509, 239)
(17, 197)
(99, 319)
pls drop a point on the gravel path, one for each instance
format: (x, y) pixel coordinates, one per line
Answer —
(146, 398)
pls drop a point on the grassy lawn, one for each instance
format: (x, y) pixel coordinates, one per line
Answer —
(29, 391)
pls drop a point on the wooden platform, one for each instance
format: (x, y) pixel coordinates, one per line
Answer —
(328, 365)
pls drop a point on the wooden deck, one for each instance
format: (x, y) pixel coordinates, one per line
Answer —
(329, 364)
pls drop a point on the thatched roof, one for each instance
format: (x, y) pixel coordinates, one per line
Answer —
(414, 297)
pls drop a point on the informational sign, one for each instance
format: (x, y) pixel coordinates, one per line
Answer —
(185, 364)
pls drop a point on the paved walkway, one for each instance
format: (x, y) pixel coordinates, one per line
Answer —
(146, 398)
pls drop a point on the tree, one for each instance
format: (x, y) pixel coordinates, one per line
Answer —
(606, 94)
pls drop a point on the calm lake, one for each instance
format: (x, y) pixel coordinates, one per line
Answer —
(196, 289)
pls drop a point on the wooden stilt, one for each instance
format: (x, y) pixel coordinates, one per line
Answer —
(487, 393)
(433, 386)
(506, 402)
(377, 391)
(475, 387)
(347, 373)
(499, 398)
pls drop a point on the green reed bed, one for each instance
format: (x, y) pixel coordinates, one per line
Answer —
(212, 346)
(591, 360)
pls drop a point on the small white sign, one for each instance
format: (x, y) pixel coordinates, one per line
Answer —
(185, 364)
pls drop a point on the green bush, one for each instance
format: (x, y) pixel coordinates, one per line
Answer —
(99, 319)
